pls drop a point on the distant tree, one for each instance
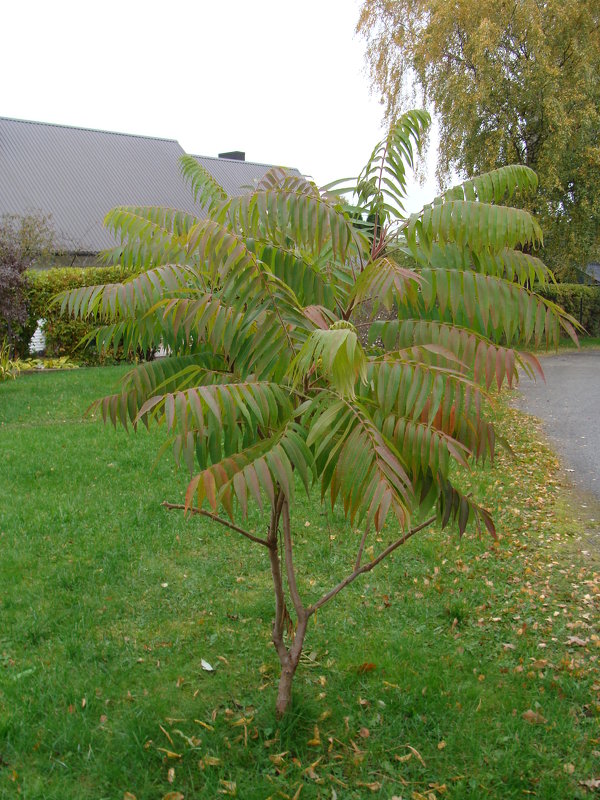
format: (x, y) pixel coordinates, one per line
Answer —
(280, 375)
(512, 81)
(24, 241)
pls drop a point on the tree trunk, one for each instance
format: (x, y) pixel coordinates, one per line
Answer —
(288, 658)
(284, 692)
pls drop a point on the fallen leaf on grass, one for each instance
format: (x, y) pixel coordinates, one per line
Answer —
(173, 796)
(166, 733)
(415, 753)
(534, 717)
(171, 775)
(278, 758)
(229, 787)
(366, 667)
(575, 641)
(540, 663)
(242, 721)
(169, 753)
(206, 666)
(310, 770)
(193, 741)
(316, 740)
(592, 783)
(364, 733)
(441, 745)
(569, 768)
(129, 796)
(374, 787)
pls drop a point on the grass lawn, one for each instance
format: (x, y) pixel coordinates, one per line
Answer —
(585, 343)
(459, 669)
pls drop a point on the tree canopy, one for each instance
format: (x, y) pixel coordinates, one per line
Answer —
(283, 375)
(511, 81)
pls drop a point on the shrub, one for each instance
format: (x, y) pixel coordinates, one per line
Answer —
(581, 302)
(8, 367)
(64, 334)
(24, 240)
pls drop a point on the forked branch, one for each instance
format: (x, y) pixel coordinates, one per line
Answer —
(367, 567)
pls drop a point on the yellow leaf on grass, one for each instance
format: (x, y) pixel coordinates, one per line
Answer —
(173, 796)
(278, 758)
(229, 787)
(316, 740)
(171, 775)
(169, 753)
(129, 796)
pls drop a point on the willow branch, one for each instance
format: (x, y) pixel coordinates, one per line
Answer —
(221, 521)
(367, 567)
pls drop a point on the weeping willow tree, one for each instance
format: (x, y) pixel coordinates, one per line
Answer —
(329, 345)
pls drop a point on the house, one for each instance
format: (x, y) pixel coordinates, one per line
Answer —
(592, 272)
(78, 175)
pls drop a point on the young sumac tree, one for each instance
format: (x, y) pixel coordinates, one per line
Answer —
(284, 372)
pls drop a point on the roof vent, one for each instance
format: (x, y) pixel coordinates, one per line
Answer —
(236, 155)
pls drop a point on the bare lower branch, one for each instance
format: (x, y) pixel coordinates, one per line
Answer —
(289, 563)
(221, 521)
(367, 567)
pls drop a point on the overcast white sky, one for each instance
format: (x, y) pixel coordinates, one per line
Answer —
(283, 81)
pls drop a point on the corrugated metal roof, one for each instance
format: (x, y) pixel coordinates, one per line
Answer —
(236, 177)
(79, 174)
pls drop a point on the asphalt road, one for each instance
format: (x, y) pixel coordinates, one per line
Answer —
(569, 406)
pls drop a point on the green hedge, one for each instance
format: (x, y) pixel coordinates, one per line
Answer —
(582, 302)
(63, 333)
